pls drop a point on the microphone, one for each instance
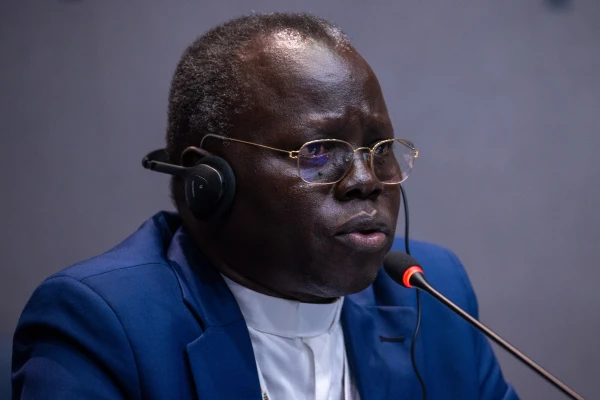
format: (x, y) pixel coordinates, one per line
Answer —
(406, 271)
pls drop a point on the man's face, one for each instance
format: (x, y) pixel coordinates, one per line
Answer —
(305, 241)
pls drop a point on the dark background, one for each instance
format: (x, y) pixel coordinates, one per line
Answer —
(502, 98)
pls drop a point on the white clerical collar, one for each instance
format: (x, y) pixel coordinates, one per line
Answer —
(281, 317)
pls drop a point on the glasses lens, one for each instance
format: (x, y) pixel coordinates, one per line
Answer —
(324, 161)
(393, 160)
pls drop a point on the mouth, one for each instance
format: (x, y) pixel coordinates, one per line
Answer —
(363, 233)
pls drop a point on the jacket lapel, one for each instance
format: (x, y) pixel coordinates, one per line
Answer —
(222, 364)
(221, 359)
(378, 340)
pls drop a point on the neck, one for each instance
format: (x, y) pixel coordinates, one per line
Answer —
(240, 279)
(210, 251)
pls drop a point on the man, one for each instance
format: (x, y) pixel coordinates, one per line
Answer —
(277, 293)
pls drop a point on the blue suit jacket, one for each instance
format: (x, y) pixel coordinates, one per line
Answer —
(150, 319)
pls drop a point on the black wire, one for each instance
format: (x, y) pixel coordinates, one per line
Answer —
(418, 325)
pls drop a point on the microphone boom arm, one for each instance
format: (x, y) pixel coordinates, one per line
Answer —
(418, 280)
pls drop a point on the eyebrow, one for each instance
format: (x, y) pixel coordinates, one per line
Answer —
(332, 124)
(379, 123)
(338, 120)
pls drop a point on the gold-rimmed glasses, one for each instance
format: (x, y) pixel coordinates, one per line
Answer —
(327, 161)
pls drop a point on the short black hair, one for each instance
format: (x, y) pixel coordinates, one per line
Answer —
(207, 90)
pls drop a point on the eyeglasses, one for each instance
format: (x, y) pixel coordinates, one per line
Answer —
(327, 161)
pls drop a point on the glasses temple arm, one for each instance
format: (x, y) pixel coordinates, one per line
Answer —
(292, 154)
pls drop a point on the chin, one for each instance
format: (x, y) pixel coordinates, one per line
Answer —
(341, 271)
(353, 279)
(362, 281)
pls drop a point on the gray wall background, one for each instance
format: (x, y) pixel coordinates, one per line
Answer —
(501, 97)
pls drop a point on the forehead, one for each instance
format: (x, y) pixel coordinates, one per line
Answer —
(287, 51)
(286, 60)
(295, 78)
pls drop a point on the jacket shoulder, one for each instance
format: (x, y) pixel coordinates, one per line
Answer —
(428, 254)
(441, 266)
(442, 269)
(109, 318)
(146, 246)
(135, 278)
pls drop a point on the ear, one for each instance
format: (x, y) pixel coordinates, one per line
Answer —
(192, 155)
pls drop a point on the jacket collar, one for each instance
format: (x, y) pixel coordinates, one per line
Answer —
(377, 338)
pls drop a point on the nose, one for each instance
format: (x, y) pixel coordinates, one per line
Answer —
(360, 181)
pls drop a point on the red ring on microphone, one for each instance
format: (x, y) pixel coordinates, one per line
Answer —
(408, 274)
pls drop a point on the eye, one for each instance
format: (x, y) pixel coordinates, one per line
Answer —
(383, 148)
(317, 148)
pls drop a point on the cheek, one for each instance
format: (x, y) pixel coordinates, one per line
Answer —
(299, 206)
(391, 195)
(391, 200)
(274, 194)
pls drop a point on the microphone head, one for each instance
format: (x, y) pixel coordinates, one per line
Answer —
(400, 267)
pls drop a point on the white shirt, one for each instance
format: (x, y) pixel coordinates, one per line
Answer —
(299, 347)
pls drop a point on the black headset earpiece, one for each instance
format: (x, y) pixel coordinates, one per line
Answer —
(210, 188)
(209, 185)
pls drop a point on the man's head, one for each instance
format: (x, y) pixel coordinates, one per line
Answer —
(281, 80)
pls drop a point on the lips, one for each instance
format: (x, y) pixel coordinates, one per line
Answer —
(363, 233)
